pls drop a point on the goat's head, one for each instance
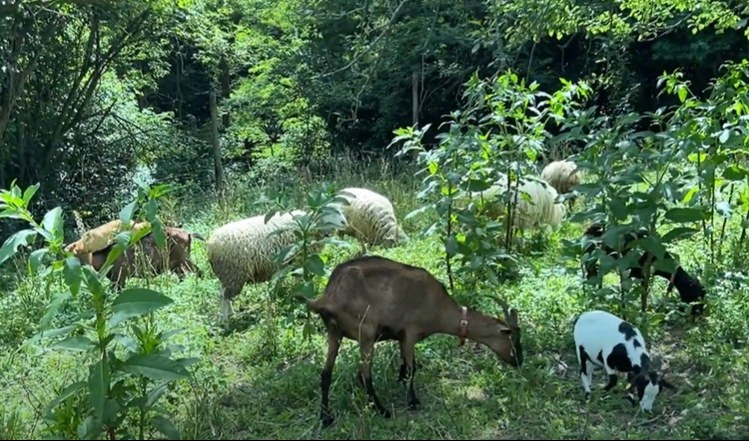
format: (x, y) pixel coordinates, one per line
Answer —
(644, 387)
(504, 338)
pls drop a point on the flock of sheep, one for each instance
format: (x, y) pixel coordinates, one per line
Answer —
(372, 299)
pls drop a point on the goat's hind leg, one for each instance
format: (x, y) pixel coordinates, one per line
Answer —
(326, 376)
(366, 346)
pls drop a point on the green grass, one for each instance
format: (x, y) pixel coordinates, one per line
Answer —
(261, 380)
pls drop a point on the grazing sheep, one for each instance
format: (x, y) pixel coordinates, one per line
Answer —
(605, 340)
(373, 299)
(370, 217)
(147, 255)
(244, 251)
(690, 289)
(562, 175)
(536, 203)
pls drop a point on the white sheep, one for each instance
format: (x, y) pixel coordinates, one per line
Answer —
(244, 251)
(370, 217)
(562, 175)
(536, 203)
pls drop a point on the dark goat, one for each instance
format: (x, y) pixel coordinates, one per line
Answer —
(690, 289)
(373, 299)
(176, 257)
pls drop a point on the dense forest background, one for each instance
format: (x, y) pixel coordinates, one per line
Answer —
(95, 93)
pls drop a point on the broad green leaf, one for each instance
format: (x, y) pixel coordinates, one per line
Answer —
(135, 302)
(126, 214)
(678, 233)
(734, 173)
(475, 185)
(166, 427)
(686, 215)
(682, 93)
(433, 168)
(65, 394)
(35, 259)
(315, 265)
(652, 245)
(90, 428)
(76, 343)
(451, 246)
(92, 282)
(53, 308)
(111, 410)
(72, 274)
(53, 222)
(56, 332)
(29, 193)
(154, 394)
(157, 229)
(10, 247)
(155, 367)
(690, 194)
(98, 386)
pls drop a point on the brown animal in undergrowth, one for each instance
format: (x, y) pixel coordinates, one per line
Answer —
(146, 252)
(373, 299)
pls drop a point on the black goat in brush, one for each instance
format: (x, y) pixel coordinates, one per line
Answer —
(690, 289)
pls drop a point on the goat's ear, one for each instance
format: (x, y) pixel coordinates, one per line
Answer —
(664, 383)
(630, 397)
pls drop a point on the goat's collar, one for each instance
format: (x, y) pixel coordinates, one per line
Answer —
(463, 333)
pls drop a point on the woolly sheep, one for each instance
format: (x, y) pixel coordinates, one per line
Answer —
(244, 251)
(562, 175)
(536, 203)
(370, 217)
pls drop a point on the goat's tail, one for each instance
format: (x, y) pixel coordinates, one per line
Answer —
(312, 304)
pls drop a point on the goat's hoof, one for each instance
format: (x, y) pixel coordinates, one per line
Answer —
(327, 420)
(414, 404)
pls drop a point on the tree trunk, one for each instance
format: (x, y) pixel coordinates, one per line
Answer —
(218, 169)
(415, 98)
(225, 87)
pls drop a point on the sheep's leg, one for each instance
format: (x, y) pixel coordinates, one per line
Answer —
(334, 343)
(225, 310)
(407, 352)
(586, 371)
(612, 378)
(366, 346)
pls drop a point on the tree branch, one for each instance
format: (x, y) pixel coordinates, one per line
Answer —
(376, 40)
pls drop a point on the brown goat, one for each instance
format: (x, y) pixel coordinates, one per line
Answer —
(373, 299)
(157, 261)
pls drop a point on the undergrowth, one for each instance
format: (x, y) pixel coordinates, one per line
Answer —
(261, 379)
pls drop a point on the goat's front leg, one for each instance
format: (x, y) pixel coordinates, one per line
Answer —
(409, 368)
(334, 343)
(365, 371)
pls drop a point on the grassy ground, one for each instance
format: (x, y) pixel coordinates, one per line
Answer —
(261, 380)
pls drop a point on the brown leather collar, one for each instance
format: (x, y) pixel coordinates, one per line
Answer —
(463, 333)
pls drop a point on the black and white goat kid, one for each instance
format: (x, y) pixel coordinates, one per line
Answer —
(603, 339)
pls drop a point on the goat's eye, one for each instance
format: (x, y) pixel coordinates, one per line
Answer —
(506, 331)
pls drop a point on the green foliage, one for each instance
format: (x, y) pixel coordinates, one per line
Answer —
(123, 380)
(489, 148)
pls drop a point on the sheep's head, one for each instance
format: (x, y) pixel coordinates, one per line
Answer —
(505, 338)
